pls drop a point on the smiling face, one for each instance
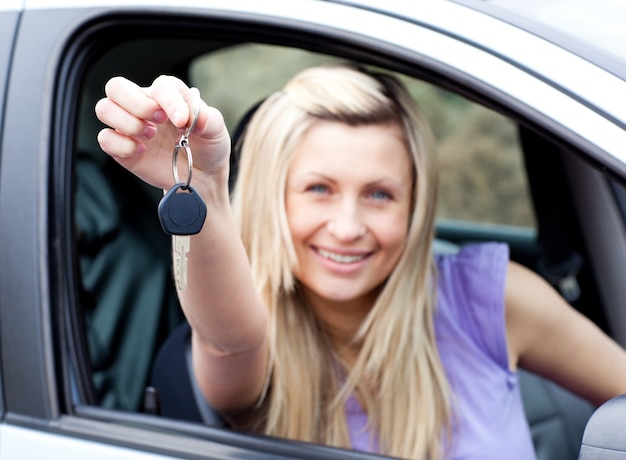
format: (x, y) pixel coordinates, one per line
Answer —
(348, 203)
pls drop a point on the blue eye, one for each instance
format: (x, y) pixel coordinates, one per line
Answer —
(317, 188)
(381, 195)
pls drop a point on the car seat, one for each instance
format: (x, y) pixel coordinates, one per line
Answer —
(604, 437)
(556, 417)
(129, 305)
(174, 386)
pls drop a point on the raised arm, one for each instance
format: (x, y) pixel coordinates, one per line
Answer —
(228, 319)
(547, 336)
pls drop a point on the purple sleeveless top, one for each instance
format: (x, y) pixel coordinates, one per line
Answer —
(488, 419)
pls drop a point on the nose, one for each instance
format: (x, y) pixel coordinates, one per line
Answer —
(345, 223)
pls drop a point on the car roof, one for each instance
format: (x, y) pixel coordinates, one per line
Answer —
(597, 24)
(594, 30)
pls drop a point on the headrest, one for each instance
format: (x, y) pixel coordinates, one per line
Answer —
(237, 141)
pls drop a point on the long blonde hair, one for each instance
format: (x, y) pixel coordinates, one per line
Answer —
(398, 374)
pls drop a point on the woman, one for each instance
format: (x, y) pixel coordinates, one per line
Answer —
(317, 310)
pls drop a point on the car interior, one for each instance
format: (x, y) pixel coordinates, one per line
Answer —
(504, 178)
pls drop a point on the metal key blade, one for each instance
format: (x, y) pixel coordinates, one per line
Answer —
(181, 248)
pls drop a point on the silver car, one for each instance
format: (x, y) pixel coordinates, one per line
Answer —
(528, 104)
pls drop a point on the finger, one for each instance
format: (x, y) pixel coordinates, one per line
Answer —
(211, 122)
(132, 155)
(179, 102)
(118, 145)
(134, 99)
(174, 97)
(111, 114)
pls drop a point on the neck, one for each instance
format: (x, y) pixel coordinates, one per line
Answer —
(342, 320)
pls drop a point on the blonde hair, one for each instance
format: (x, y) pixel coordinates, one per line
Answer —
(398, 374)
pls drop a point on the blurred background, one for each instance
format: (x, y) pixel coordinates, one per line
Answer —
(482, 171)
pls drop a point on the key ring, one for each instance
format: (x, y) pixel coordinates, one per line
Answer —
(183, 143)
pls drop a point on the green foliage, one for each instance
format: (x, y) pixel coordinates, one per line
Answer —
(235, 78)
(482, 172)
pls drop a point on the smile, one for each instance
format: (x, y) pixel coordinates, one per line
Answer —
(340, 258)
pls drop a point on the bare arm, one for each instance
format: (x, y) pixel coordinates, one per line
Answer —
(228, 319)
(547, 336)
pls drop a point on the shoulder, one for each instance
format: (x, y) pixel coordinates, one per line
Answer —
(474, 254)
(470, 299)
(473, 268)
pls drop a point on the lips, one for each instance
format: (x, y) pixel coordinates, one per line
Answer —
(341, 258)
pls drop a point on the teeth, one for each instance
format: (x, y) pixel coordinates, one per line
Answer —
(339, 258)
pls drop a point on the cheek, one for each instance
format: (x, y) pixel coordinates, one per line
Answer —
(392, 233)
(395, 241)
(300, 219)
(303, 223)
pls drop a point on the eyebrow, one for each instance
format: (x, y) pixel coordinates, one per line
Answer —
(384, 181)
(313, 175)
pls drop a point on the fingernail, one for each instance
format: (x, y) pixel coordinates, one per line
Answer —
(160, 116)
(177, 118)
(149, 132)
(141, 148)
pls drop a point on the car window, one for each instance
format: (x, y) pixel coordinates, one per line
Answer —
(127, 294)
(130, 303)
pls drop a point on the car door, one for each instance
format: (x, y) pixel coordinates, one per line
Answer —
(9, 17)
(53, 285)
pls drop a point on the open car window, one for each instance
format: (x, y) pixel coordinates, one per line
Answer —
(129, 301)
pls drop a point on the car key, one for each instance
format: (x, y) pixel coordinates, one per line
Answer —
(181, 211)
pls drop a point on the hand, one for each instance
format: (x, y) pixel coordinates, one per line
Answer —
(145, 124)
